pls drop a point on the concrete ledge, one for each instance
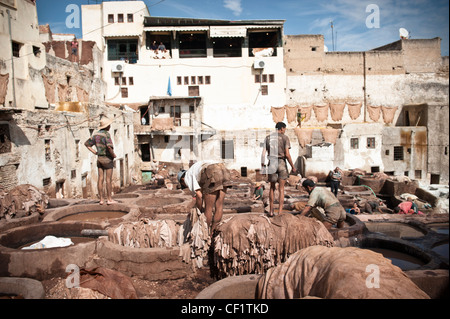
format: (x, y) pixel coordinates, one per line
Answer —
(147, 263)
(17, 222)
(235, 287)
(25, 287)
(433, 282)
(43, 264)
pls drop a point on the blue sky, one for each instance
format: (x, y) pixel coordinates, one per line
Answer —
(358, 25)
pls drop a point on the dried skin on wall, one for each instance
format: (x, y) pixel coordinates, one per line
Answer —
(374, 112)
(354, 110)
(330, 135)
(337, 111)
(291, 113)
(4, 79)
(388, 114)
(321, 112)
(278, 114)
(304, 136)
(50, 87)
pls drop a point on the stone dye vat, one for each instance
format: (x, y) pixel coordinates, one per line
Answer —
(93, 213)
(397, 230)
(43, 264)
(165, 204)
(402, 253)
(235, 287)
(21, 288)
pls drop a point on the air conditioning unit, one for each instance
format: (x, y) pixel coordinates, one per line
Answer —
(259, 64)
(118, 67)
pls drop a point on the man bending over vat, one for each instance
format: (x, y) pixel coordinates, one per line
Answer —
(324, 198)
(208, 181)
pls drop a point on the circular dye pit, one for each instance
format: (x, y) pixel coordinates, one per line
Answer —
(93, 216)
(402, 254)
(235, 287)
(441, 249)
(43, 264)
(91, 213)
(440, 228)
(396, 230)
(159, 201)
(21, 288)
(400, 259)
(125, 196)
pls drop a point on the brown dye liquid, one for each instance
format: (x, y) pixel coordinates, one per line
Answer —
(399, 259)
(93, 216)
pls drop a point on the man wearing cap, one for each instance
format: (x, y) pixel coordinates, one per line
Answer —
(105, 160)
(324, 198)
(208, 181)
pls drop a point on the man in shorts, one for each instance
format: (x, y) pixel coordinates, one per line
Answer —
(276, 147)
(322, 197)
(208, 181)
(105, 158)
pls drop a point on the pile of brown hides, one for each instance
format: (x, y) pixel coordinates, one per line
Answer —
(337, 273)
(251, 244)
(192, 236)
(195, 237)
(145, 233)
(22, 201)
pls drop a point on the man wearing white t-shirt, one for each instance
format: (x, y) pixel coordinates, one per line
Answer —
(208, 181)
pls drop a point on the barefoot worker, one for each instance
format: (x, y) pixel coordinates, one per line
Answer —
(208, 181)
(105, 158)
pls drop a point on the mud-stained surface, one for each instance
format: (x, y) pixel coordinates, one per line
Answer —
(184, 288)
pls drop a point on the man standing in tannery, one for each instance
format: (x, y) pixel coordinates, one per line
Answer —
(276, 147)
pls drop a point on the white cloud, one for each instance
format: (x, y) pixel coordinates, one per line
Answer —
(233, 5)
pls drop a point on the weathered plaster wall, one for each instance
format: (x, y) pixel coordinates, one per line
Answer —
(404, 74)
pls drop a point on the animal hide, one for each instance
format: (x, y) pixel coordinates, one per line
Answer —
(21, 201)
(337, 111)
(374, 112)
(4, 79)
(145, 233)
(251, 244)
(388, 114)
(330, 135)
(354, 109)
(291, 113)
(321, 112)
(304, 136)
(337, 273)
(278, 114)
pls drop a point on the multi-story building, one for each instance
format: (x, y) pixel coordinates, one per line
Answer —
(51, 101)
(206, 96)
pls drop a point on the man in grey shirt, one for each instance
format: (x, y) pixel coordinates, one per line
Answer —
(276, 147)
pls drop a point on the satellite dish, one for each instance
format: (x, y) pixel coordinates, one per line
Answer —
(404, 34)
(325, 48)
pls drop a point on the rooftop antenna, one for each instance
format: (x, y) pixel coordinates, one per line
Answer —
(404, 34)
(332, 35)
